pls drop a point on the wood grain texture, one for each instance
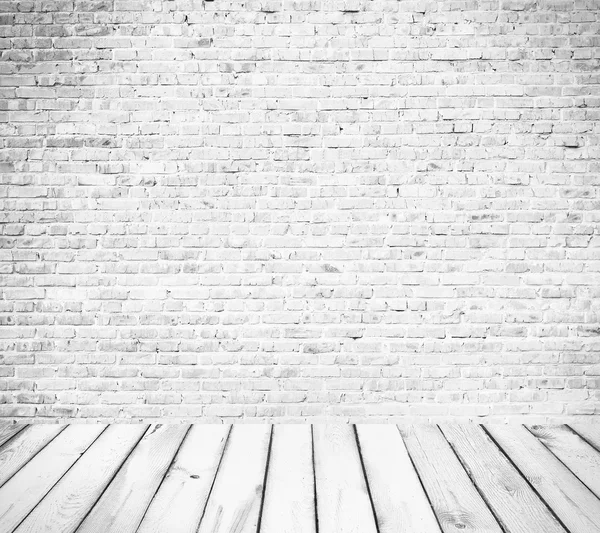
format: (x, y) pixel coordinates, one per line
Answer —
(289, 505)
(20, 450)
(8, 430)
(343, 502)
(181, 499)
(123, 504)
(455, 500)
(401, 505)
(331, 479)
(67, 504)
(579, 456)
(510, 497)
(574, 504)
(22, 492)
(235, 501)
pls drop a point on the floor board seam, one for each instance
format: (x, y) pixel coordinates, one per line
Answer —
(227, 438)
(61, 477)
(556, 517)
(314, 469)
(264, 487)
(562, 462)
(33, 456)
(163, 477)
(441, 529)
(467, 470)
(591, 443)
(111, 479)
(13, 436)
(364, 471)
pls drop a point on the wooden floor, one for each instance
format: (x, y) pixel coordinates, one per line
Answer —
(299, 478)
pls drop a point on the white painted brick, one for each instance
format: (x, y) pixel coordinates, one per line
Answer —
(300, 210)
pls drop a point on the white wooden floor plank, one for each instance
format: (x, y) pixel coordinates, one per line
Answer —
(203, 481)
(8, 430)
(22, 492)
(67, 504)
(181, 499)
(17, 452)
(455, 500)
(235, 501)
(513, 501)
(343, 503)
(400, 502)
(574, 504)
(289, 505)
(579, 456)
(590, 432)
(123, 504)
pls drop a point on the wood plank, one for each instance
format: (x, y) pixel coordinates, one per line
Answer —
(343, 502)
(8, 430)
(455, 500)
(574, 504)
(289, 505)
(22, 492)
(17, 452)
(67, 504)
(400, 503)
(123, 504)
(181, 499)
(235, 501)
(590, 432)
(512, 500)
(579, 456)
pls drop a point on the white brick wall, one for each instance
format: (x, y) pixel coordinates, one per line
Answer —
(300, 209)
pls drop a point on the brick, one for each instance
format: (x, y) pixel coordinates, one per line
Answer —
(284, 211)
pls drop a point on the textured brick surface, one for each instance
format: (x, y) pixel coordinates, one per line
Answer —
(300, 209)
